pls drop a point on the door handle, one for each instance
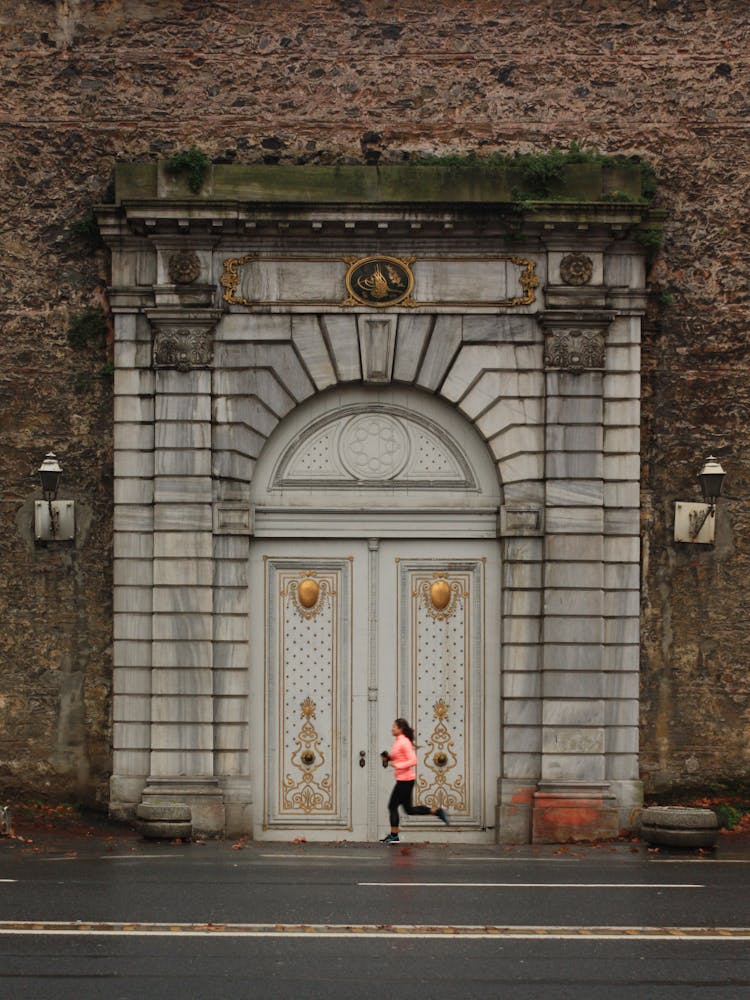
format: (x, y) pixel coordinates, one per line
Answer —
(362, 756)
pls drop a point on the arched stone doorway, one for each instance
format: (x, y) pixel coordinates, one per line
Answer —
(237, 308)
(376, 553)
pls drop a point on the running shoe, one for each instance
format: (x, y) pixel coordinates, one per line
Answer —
(392, 838)
(443, 816)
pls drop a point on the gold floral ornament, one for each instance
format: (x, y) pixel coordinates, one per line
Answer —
(310, 792)
(379, 281)
(441, 758)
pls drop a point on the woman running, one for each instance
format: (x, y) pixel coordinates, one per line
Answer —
(403, 759)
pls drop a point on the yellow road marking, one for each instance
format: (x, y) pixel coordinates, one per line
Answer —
(589, 933)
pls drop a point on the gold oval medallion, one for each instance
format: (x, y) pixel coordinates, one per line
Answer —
(440, 595)
(379, 281)
(307, 593)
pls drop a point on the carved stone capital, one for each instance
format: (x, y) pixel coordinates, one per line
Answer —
(183, 348)
(183, 339)
(574, 350)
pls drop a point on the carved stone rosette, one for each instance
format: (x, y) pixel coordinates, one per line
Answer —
(184, 267)
(183, 348)
(574, 350)
(576, 269)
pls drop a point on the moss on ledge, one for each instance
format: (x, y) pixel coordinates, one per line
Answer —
(476, 182)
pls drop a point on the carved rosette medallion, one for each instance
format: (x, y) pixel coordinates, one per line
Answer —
(440, 758)
(374, 446)
(576, 269)
(183, 348)
(184, 267)
(307, 791)
(575, 350)
(379, 281)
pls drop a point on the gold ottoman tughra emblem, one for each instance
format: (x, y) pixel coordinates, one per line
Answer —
(379, 281)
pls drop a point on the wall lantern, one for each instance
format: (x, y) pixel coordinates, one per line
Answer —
(54, 520)
(696, 522)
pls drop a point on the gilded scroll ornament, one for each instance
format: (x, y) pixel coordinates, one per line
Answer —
(575, 350)
(576, 269)
(528, 281)
(183, 348)
(379, 281)
(310, 792)
(441, 759)
(230, 280)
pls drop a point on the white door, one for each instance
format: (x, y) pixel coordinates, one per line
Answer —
(356, 634)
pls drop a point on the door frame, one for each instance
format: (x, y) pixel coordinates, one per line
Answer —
(374, 692)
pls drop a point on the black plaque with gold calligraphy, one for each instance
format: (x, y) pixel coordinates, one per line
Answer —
(379, 281)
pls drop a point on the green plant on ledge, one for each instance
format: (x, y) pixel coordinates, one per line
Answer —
(87, 327)
(539, 173)
(86, 229)
(650, 238)
(193, 164)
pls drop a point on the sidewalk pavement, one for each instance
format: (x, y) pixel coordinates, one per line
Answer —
(65, 831)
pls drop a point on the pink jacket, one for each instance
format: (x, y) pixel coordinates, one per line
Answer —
(403, 759)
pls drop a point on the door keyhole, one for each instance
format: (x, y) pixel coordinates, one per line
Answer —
(362, 758)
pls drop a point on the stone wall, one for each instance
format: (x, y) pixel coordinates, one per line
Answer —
(89, 83)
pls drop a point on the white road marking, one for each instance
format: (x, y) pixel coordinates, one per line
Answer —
(139, 857)
(536, 885)
(454, 931)
(697, 861)
(322, 857)
(8, 880)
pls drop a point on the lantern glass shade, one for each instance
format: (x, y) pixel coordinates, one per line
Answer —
(711, 477)
(49, 474)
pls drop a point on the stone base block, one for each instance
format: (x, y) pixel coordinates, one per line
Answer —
(629, 795)
(513, 814)
(578, 812)
(164, 812)
(124, 795)
(203, 795)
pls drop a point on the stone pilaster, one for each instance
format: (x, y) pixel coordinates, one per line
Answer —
(182, 713)
(573, 800)
(133, 560)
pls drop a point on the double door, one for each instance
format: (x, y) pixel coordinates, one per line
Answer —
(350, 635)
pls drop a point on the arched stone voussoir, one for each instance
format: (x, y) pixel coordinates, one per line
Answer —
(280, 358)
(474, 360)
(310, 343)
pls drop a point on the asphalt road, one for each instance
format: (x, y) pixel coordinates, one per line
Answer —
(159, 920)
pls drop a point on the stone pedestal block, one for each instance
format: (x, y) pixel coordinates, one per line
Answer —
(513, 812)
(203, 795)
(573, 812)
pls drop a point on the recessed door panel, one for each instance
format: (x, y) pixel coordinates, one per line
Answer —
(308, 702)
(443, 690)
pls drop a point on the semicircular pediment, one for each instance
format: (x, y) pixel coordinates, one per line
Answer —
(372, 445)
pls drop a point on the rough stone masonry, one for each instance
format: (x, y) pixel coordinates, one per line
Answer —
(87, 84)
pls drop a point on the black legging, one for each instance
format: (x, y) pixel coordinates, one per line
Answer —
(401, 796)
